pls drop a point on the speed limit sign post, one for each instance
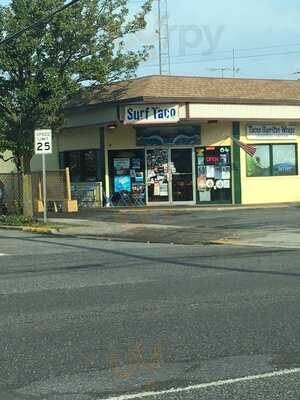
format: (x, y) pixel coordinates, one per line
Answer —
(43, 146)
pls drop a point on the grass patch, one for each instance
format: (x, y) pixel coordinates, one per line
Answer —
(20, 220)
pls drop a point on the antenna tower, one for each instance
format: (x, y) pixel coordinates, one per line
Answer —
(163, 37)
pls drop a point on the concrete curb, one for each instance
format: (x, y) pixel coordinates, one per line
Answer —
(29, 229)
(39, 230)
(224, 242)
(11, 227)
(243, 243)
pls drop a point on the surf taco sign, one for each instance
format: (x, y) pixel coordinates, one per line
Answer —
(151, 114)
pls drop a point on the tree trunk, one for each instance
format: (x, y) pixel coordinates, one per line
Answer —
(26, 163)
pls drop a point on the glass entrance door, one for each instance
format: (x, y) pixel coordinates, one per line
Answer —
(182, 175)
(158, 183)
(170, 175)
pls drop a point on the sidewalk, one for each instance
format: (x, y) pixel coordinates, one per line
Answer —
(277, 226)
(137, 232)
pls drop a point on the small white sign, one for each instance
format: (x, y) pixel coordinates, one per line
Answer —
(151, 114)
(43, 141)
(271, 132)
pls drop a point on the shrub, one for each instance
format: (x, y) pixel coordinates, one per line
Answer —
(16, 220)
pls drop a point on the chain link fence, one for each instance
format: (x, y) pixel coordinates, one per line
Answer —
(11, 199)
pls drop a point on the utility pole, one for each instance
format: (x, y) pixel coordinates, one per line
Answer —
(234, 69)
(233, 63)
(163, 38)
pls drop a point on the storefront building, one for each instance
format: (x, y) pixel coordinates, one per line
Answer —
(173, 141)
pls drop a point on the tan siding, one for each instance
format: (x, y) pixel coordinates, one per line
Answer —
(79, 139)
(240, 112)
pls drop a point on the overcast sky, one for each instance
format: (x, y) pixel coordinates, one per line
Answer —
(264, 33)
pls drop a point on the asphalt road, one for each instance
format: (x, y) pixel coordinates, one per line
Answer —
(89, 319)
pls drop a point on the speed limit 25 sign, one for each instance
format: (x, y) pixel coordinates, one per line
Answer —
(43, 141)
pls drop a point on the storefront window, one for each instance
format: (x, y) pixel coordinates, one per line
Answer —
(72, 160)
(90, 165)
(284, 159)
(260, 163)
(127, 170)
(82, 163)
(273, 160)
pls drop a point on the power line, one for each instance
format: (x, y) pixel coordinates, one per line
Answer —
(230, 51)
(38, 22)
(230, 58)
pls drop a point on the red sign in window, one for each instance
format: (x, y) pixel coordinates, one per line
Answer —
(212, 159)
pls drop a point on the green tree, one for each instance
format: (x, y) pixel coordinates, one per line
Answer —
(42, 69)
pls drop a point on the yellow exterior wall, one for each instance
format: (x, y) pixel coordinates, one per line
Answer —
(79, 139)
(122, 137)
(216, 134)
(273, 189)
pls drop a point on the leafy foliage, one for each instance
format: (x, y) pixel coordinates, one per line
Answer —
(48, 65)
(16, 220)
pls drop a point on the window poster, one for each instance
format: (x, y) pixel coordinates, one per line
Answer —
(210, 171)
(225, 173)
(210, 183)
(121, 163)
(132, 173)
(205, 195)
(139, 177)
(122, 183)
(200, 151)
(156, 189)
(136, 163)
(218, 172)
(163, 189)
(201, 183)
(201, 170)
(226, 184)
(200, 160)
(220, 184)
(224, 159)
